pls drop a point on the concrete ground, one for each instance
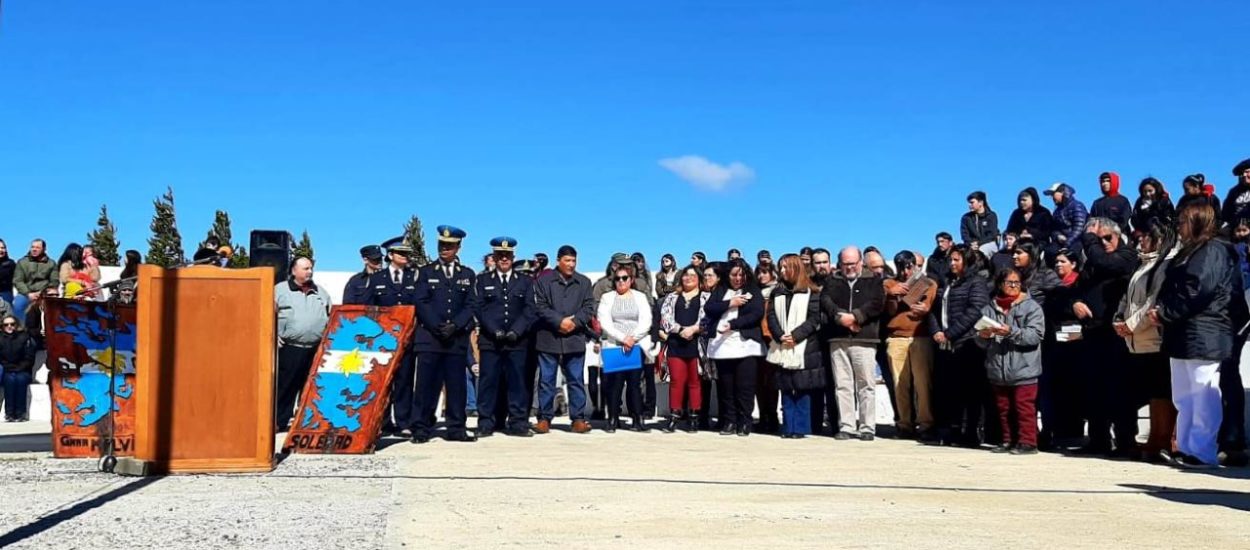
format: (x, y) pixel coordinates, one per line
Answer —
(623, 490)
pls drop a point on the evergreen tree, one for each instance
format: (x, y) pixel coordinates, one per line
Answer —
(304, 248)
(240, 259)
(221, 234)
(414, 236)
(104, 239)
(165, 244)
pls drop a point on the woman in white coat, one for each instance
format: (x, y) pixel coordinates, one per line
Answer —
(625, 317)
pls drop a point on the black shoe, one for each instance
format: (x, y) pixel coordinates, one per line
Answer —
(1234, 459)
(1024, 450)
(670, 425)
(842, 436)
(1189, 462)
(929, 437)
(728, 429)
(523, 432)
(639, 426)
(692, 425)
(462, 438)
(787, 436)
(866, 436)
(744, 430)
(1002, 448)
(485, 433)
(420, 439)
(611, 426)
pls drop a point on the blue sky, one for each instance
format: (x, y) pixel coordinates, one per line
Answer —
(851, 122)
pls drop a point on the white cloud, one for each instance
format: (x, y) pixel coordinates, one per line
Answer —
(705, 174)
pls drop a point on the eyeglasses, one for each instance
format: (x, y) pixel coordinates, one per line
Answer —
(621, 279)
(1013, 284)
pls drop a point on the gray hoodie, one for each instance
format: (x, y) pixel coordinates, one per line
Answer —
(1015, 359)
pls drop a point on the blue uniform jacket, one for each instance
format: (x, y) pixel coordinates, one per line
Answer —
(440, 299)
(357, 289)
(384, 292)
(501, 308)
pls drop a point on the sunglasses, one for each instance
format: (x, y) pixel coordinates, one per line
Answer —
(622, 279)
(7, 325)
(1107, 238)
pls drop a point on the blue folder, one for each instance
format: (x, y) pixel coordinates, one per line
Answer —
(616, 360)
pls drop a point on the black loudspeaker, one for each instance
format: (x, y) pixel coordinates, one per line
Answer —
(273, 249)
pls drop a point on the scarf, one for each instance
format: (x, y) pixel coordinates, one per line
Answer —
(1005, 302)
(1069, 279)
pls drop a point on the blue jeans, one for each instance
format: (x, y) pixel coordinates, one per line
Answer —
(19, 303)
(796, 412)
(470, 390)
(16, 384)
(7, 296)
(572, 366)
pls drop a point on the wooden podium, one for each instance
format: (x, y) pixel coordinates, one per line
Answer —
(205, 363)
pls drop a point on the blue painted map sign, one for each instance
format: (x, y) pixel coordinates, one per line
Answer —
(84, 360)
(344, 400)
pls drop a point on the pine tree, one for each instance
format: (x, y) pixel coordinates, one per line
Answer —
(414, 236)
(165, 244)
(304, 248)
(104, 239)
(222, 235)
(240, 259)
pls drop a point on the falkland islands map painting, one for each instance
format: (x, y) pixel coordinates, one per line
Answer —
(342, 406)
(84, 361)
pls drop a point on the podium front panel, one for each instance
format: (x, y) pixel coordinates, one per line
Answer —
(206, 363)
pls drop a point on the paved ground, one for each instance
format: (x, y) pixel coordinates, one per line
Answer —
(627, 490)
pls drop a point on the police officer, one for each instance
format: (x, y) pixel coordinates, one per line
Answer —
(445, 303)
(505, 311)
(356, 292)
(396, 286)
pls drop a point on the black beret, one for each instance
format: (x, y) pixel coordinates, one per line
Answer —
(1241, 167)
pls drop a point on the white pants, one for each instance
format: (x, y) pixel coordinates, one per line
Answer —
(854, 375)
(1199, 407)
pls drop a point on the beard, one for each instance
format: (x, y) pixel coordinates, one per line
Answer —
(819, 278)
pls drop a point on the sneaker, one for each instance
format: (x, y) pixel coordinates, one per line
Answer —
(1001, 448)
(1024, 450)
(842, 436)
(867, 436)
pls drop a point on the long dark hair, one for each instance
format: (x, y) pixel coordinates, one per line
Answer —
(749, 285)
(671, 259)
(133, 259)
(73, 255)
(971, 263)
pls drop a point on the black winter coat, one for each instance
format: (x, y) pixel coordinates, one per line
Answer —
(1114, 207)
(7, 267)
(938, 266)
(17, 352)
(1194, 304)
(812, 375)
(964, 299)
(1104, 279)
(979, 228)
(1038, 227)
(865, 301)
(1039, 283)
(556, 298)
(1160, 210)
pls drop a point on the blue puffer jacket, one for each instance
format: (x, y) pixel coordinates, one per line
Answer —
(1069, 218)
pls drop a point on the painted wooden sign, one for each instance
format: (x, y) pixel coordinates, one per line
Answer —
(84, 361)
(343, 404)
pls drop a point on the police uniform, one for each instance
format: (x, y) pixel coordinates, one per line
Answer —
(445, 305)
(389, 288)
(358, 288)
(505, 313)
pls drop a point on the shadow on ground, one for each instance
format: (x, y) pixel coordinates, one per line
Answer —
(26, 443)
(1232, 500)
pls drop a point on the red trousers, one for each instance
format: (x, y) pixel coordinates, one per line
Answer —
(684, 381)
(1018, 404)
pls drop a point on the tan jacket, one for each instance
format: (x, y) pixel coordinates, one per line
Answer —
(904, 322)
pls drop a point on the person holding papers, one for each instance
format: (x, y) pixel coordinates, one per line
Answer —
(625, 316)
(1011, 330)
(734, 312)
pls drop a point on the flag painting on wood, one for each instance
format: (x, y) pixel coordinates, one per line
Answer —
(85, 360)
(343, 404)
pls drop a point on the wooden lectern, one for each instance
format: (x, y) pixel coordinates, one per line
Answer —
(205, 363)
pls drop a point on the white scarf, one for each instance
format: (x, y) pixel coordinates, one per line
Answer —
(790, 319)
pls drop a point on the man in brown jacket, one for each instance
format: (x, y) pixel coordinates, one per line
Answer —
(907, 300)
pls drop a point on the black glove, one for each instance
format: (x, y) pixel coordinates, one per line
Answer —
(512, 337)
(501, 336)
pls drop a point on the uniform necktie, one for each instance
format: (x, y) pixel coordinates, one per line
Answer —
(397, 276)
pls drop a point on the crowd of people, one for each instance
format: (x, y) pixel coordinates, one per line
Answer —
(1082, 316)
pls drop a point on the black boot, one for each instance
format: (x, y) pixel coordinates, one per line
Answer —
(613, 422)
(692, 424)
(670, 423)
(639, 425)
